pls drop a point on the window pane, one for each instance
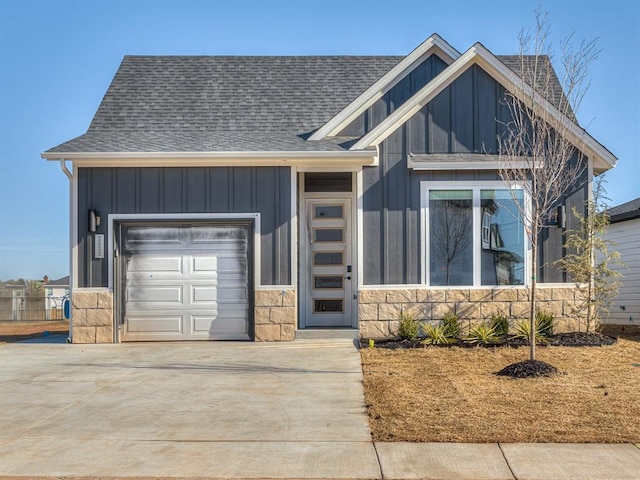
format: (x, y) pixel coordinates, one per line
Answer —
(451, 237)
(328, 234)
(327, 306)
(328, 211)
(327, 258)
(328, 281)
(502, 257)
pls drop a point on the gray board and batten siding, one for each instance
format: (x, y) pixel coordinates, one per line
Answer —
(467, 117)
(263, 190)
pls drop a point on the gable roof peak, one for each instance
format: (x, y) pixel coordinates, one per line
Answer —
(434, 44)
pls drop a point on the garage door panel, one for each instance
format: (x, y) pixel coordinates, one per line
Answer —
(204, 264)
(191, 284)
(155, 263)
(161, 325)
(157, 294)
(201, 295)
(231, 294)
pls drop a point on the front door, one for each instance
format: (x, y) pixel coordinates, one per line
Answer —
(328, 269)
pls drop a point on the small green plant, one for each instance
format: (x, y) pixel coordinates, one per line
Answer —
(500, 323)
(408, 328)
(523, 331)
(372, 343)
(544, 323)
(451, 324)
(482, 334)
(436, 334)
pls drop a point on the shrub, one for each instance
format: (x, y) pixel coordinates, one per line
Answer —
(523, 330)
(436, 335)
(544, 323)
(482, 334)
(408, 328)
(500, 323)
(451, 324)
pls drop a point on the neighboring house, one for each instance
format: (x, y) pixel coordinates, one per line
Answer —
(55, 292)
(254, 197)
(624, 230)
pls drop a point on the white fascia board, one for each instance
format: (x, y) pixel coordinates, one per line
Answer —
(449, 166)
(433, 44)
(479, 55)
(203, 159)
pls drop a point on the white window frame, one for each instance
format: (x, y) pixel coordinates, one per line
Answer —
(475, 187)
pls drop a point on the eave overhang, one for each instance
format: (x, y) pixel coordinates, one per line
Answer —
(229, 159)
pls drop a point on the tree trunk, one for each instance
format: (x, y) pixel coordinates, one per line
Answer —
(532, 310)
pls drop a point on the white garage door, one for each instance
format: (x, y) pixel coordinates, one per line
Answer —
(185, 282)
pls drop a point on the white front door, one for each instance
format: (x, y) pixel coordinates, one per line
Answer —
(328, 268)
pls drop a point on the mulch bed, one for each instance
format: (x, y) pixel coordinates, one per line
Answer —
(572, 339)
(528, 369)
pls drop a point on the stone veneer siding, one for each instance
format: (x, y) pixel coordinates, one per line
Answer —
(379, 309)
(275, 316)
(92, 316)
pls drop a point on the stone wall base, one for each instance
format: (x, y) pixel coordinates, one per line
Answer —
(92, 315)
(275, 315)
(379, 309)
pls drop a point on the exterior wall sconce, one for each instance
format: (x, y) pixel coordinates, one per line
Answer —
(561, 216)
(94, 220)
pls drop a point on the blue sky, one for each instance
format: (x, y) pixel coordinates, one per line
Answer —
(58, 57)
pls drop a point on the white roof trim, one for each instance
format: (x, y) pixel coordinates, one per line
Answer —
(196, 159)
(479, 55)
(433, 44)
(460, 161)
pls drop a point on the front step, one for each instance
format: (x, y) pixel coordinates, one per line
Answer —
(324, 333)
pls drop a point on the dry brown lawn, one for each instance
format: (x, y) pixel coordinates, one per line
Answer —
(452, 394)
(15, 331)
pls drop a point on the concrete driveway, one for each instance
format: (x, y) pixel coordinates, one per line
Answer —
(196, 409)
(235, 410)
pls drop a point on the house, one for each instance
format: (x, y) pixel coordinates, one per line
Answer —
(624, 230)
(55, 292)
(255, 198)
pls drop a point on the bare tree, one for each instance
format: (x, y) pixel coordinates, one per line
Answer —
(536, 152)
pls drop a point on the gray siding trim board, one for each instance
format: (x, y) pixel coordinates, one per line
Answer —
(263, 190)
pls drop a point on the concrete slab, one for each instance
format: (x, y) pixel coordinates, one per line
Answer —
(148, 458)
(442, 461)
(202, 409)
(554, 461)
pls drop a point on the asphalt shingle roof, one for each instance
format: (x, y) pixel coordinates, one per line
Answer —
(228, 103)
(626, 211)
(169, 103)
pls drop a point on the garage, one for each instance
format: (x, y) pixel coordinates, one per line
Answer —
(184, 281)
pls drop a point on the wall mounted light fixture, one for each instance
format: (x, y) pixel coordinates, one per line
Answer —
(561, 216)
(94, 220)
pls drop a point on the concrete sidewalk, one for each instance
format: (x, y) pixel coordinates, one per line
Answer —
(234, 410)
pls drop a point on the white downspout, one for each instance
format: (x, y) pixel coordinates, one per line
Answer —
(69, 175)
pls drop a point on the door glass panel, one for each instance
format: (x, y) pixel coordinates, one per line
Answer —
(328, 281)
(327, 306)
(328, 234)
(327, 258)
(328, 211)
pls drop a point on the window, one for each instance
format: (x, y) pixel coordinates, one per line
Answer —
(474, 234)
